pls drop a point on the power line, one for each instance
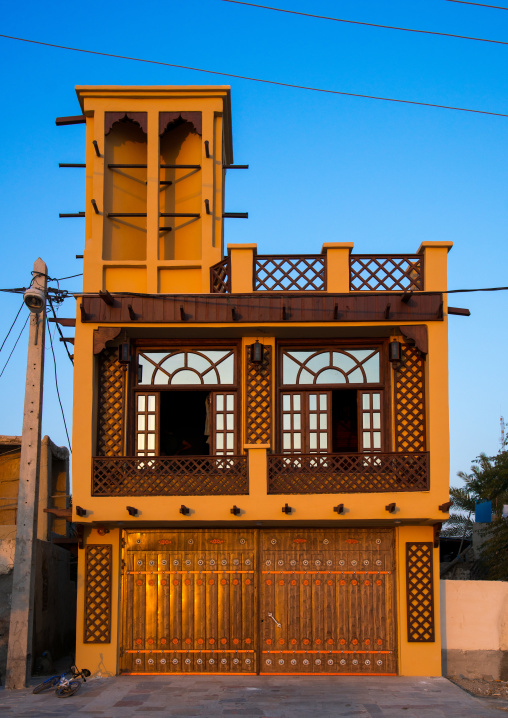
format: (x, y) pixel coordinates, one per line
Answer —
(56, 384)
(256, 79)
(15, 345)
(367, 24)
(71, 277)
(60, 331)
(12, 325)
(479, 4)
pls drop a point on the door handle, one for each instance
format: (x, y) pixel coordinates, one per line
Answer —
(279, 625)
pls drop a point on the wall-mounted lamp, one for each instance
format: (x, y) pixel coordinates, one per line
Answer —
(339, 509)
(132, 511)
(124, 353)
(102, 530)
(235, 511)
(395, 351)
(286, 509)
(391, 508)
(256, 353)
(80, 511)
(184, 510)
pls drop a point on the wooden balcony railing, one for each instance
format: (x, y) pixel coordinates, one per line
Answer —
(308, 272)
(220, 277)
(385, 272)
(170, 476)
(347, 473)
(284, 272)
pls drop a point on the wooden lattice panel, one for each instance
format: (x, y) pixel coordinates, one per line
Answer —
(420, 592)
(259, 399)
(220, 277)
(110, 425)
(159, 476)
(287, 273)
(98, 578)
(347, 473)
(409, 401)
(385, 273)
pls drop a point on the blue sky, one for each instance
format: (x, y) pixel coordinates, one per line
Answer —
(322, 167)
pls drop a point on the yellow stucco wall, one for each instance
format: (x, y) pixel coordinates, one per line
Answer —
(149, 261)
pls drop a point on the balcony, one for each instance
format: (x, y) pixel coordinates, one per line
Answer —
(287, 474)
(301, 273)
(168, 476)
(347, 473)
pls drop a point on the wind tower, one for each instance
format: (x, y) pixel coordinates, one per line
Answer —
(155, 165)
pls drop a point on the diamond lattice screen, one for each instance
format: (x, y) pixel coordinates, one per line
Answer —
(97, 627)
(259, 399)
(420, 593)
(409, 401)
(110, 425)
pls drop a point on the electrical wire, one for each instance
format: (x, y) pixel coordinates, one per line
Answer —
(60, 331)
(479, 4)
(61, 279)
(12, 325)
(256, 79)
(56, 384)
(15, 345)
(366, 24)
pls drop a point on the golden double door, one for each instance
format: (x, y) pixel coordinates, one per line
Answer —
(270, 601)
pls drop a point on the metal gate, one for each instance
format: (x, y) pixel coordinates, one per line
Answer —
(282, 601)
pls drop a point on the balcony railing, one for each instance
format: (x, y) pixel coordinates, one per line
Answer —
(169, 476)
(282, 272)
(305, 272)
(386, 273)
(347, 473)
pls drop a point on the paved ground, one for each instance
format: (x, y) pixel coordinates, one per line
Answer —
(256, 697)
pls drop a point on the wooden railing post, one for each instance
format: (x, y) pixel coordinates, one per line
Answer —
(337, 266)
(242, 267)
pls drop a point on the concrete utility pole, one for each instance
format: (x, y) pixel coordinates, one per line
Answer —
(19, 654)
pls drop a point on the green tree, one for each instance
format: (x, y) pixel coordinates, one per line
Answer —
(488, 481)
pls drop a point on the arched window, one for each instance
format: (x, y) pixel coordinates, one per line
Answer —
(331, 400)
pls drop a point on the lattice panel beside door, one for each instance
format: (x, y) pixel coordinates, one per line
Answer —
(409, 401)
(110, 424)
(98, 579)
(259, 399)
(420, 592)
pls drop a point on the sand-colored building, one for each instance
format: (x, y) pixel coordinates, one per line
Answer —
(261, 449)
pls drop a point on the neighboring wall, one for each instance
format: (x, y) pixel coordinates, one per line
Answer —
(474, 628)
(55, 585)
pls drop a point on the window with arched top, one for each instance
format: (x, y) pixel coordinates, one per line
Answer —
(186, 367)
(186, 402)
(331, 366)
(331, 399)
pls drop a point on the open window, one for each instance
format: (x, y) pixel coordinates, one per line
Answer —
(331, 401)
(185, 403)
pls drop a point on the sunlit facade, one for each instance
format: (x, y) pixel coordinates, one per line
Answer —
(261, 449)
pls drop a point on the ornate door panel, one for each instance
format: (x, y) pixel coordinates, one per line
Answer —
(327, 601)
(189, 602)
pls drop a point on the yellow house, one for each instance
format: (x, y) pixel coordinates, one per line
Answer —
(261, 450)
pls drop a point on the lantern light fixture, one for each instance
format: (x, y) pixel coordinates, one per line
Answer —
(395, 351)
(124, 353)
(256, 353)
